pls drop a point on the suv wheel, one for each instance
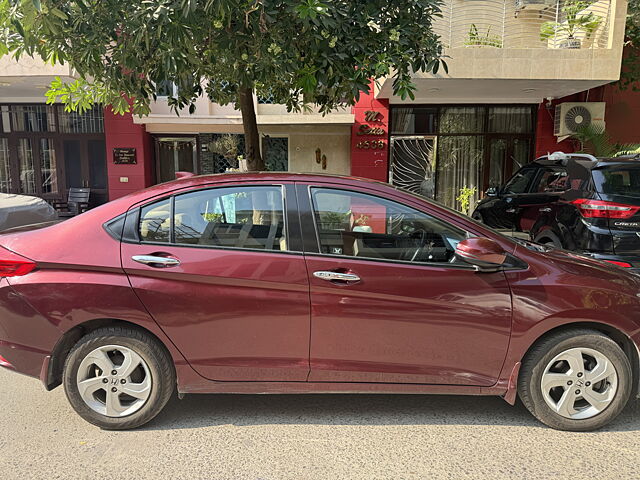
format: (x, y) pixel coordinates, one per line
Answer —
(118, 378)
(576, 380)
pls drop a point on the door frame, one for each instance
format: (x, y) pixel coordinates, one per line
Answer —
(157, 138)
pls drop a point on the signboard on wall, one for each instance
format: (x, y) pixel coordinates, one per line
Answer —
(124, 156)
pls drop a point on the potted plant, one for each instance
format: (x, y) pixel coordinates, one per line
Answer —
(486, 39)
(574, 23)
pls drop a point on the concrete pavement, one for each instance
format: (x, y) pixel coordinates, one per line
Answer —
(307, 437)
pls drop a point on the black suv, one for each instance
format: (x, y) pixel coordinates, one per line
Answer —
(573, 201)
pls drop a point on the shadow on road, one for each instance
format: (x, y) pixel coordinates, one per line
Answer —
(196, 411)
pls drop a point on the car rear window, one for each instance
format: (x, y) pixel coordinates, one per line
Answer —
(618, 180)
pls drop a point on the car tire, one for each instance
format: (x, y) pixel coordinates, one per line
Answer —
(547, 377)
(118, 378)
(549, 239)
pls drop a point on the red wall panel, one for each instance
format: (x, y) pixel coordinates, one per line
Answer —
(120, 131)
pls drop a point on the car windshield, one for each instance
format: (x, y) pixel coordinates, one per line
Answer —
(618, 180)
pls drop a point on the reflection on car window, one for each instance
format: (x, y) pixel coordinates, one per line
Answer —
(360, 225)
(520, 181)
(553, 180)
(239, 217)
(155, 222)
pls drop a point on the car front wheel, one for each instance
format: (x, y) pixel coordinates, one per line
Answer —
(118, 378)
(576, 380)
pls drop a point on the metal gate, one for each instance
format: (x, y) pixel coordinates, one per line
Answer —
(413, 165)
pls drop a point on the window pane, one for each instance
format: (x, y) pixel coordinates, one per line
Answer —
(510, 120)
(48, 174)
(459, 164)
(520, 181)
(5, 173)
(97, 164)
(552, 180)
(247, 217)
(25, 159)
(32, 118)
(155, 222)
(414, 120)
(360, 225)
(90, 121)
(462, 120)
(275, 151)
(73, 163)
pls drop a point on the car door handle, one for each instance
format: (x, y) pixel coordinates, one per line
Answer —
(333, 276)
(510, 210)
(156, 261)
(545, 209)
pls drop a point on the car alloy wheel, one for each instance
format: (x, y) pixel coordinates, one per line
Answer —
(114, 381)
(579, 383)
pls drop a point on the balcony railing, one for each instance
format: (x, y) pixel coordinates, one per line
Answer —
(550, 24)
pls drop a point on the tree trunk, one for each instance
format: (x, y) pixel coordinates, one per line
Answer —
(251, 136)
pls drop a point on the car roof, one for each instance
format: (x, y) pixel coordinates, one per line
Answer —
(586, 161)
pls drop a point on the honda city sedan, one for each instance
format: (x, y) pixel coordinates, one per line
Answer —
(292, 283)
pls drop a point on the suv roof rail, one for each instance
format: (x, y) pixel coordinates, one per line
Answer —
(563, 158)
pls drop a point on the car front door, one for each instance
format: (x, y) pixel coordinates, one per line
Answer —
(508, 207)
(221, 272)
(390, 303)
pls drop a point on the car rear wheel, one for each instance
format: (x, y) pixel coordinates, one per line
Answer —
(576, 380)
(118, 378)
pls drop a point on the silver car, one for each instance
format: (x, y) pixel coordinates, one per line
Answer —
(19, 210)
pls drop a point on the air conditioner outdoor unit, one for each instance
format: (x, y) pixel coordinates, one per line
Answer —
(534, 4)
(570, 117)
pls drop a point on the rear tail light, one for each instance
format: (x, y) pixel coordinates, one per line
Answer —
(4, 362)
(14, 265)
(601, 209)
(620, 264)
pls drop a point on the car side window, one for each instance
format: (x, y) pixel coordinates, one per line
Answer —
(520, 181)
(238, 217)
(155, 222)
(361, 225)
(552, 180)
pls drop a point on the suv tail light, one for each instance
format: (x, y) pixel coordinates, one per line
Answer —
(620, 264)
(14, 265)
(601, 209)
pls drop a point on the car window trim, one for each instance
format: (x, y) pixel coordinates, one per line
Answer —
(285, 192)
(318, 251)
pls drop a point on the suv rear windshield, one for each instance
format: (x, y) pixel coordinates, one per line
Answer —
(618, 180)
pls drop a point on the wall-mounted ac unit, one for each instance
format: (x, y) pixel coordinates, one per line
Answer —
(534, 4)
(570, 117)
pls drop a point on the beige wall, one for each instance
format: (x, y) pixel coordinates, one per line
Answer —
(333, 141)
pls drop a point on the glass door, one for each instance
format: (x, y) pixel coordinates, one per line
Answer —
(505, 156)
(173, 155)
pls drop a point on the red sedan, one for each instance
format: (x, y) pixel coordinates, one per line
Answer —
(282, 283)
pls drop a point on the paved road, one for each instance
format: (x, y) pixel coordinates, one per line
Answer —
(307, 437)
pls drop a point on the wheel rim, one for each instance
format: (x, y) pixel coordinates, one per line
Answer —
(579, 383)
(114, 381)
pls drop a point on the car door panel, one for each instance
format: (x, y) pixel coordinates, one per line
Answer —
(236, 314)
(408, 324)
(404, 322)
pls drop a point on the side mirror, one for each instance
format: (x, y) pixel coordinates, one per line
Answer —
(492, 192)
(483, 253)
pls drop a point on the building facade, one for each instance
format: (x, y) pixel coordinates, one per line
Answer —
(512, 65)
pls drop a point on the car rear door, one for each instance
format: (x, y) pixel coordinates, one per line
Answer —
(222, 272)
(389, 302)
